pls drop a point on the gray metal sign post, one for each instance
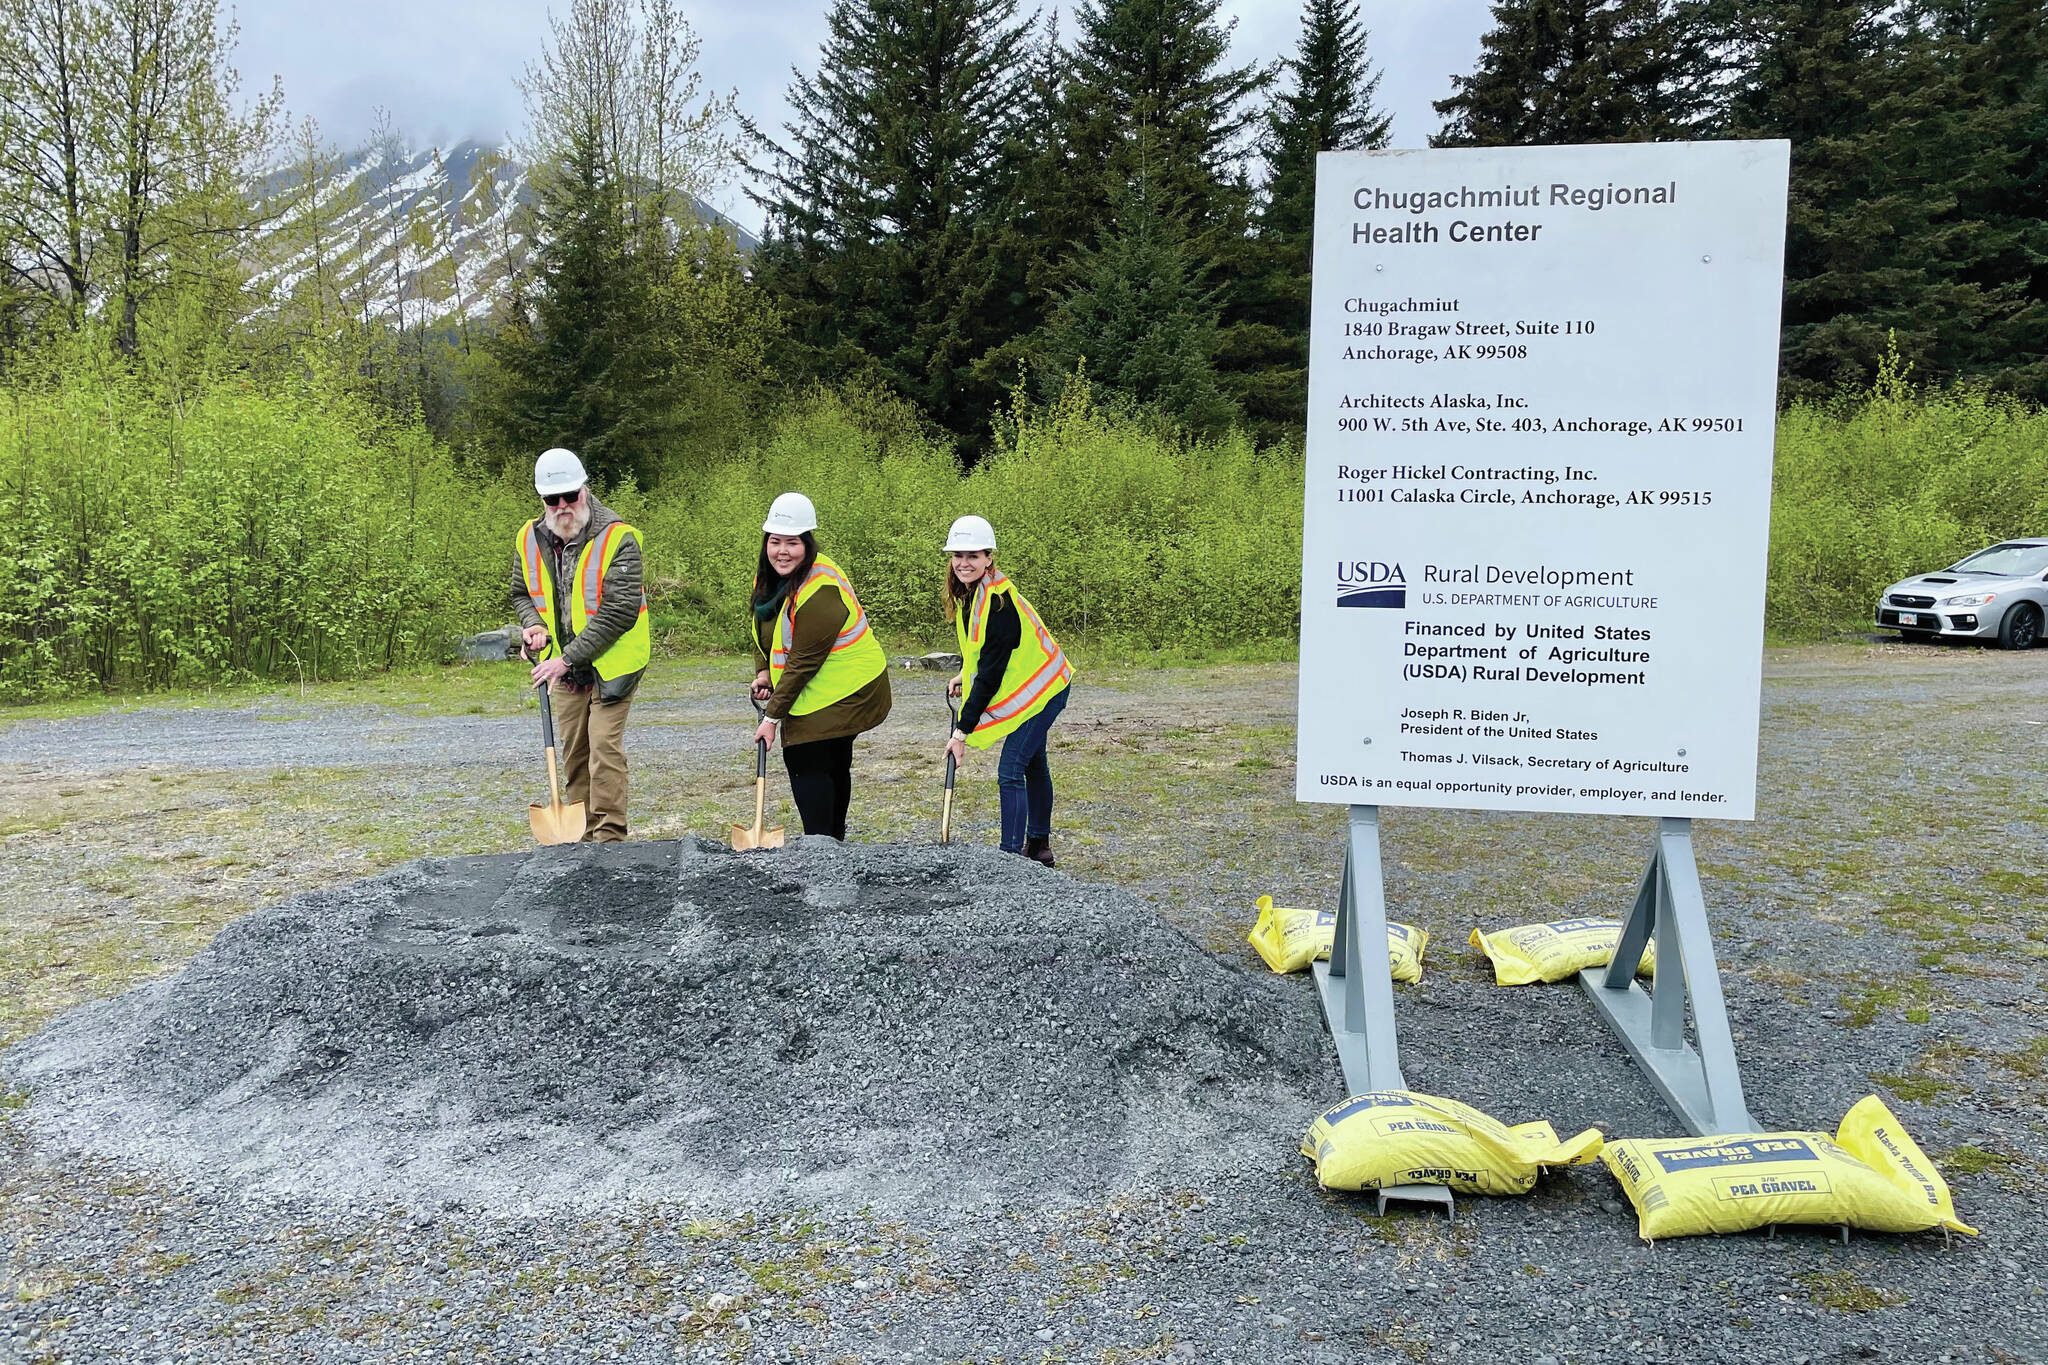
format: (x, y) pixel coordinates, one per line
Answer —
(1703, 1088)
(1358, 991)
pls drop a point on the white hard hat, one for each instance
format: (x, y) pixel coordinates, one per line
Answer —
(971, 533)
(791, 515)
(558, 471)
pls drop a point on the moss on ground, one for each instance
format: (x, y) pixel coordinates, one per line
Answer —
(1969, 1160)
(1844, 1292)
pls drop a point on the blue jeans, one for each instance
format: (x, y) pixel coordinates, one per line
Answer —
(1023, 781)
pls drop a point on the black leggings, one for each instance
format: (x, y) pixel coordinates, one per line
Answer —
(821, 782)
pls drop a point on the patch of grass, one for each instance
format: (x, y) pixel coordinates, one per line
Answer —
(42, 974)
(1864, 1001)
(2029, 1062)
(795, 1276)
(1843, 1292)
(1917, 1089)
(1969, 1160)
(2031, 885)
(1088, 1278)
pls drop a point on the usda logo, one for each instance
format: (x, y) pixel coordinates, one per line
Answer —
(1370, 583)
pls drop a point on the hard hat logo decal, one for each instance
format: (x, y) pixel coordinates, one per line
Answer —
(558, 471)
(970, 533)
(791, 514)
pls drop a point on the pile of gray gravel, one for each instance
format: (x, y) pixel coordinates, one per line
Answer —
(825, 1025)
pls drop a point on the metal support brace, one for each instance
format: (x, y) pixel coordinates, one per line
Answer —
(1358, 991)
(1703, 1088)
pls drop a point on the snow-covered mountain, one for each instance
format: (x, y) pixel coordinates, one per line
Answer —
(414, 238)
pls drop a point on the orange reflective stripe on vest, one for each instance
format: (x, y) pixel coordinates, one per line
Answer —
(593, 570)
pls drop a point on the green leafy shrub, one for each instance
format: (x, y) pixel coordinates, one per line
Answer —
(1115, 531)
(235, 532)
(237, 535)
(1867, 494)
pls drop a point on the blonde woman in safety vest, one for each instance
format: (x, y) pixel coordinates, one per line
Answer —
(576, 585)
(1015, 677)
(822, 676)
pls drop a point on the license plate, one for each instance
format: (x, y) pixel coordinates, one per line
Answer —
(1907, 618)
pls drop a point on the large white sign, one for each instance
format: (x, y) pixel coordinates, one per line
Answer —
(1542, 389)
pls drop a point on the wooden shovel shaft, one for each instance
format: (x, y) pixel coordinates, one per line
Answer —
(555, 823)
(761, 793)
(547, 735)
(758, 837)
(946, 808)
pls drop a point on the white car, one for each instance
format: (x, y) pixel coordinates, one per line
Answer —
(1996, 594)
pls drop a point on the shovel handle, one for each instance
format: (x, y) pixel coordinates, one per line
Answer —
(946, 807)
(547, 717)
(952, 724)
(760, 745)
(547, 734)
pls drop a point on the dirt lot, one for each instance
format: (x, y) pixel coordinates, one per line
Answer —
(1882, 927)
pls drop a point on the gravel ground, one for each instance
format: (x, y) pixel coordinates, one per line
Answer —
(280, 733)
(1882, 927)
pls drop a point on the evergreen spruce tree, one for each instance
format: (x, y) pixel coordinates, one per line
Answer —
(1153, 122)
(1149, 103)
(1975, 96)
(884, 203)
(1137, 321)
(1572, 71)
(1044, 217)
(1880, 239)
(584, 371)
(1328, 107)
(1907, 221)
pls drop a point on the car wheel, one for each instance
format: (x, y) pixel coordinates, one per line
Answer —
(2021, 628)
(1916, 637)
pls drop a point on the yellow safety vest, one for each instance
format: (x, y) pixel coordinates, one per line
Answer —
(631, 651)
(1038, 670)
(856, 658)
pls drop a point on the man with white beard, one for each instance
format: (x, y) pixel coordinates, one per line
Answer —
(577, 586)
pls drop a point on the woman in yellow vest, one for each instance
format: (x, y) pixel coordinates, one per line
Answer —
(822, 676)
(1015, 677)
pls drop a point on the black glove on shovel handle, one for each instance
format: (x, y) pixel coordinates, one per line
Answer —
(556, 822)
(946, 810)
(742, 837)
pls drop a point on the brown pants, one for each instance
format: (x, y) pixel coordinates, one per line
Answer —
(593, 740)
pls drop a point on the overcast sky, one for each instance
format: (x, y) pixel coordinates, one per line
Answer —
(445, 68)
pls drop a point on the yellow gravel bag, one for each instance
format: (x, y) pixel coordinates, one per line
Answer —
(1870, 1175)
(1399, 1137)
(1529, 953)
(1290, 939)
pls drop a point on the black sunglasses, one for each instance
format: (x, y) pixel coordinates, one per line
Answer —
(561, 499)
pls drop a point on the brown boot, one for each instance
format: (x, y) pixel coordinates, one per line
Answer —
(1039, 850)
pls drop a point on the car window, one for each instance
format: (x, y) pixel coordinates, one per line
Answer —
(2008, 559)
